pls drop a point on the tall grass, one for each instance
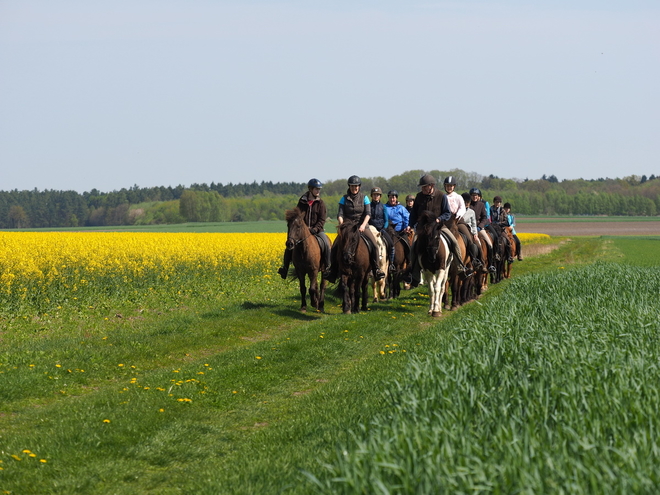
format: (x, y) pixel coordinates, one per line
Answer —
(553, 387)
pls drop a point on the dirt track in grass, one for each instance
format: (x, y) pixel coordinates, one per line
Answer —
(590, 228)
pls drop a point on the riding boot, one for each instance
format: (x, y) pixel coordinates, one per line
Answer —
(330, 274)
(392, 267)
(284, 269)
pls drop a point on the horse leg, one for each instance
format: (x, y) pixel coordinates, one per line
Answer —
(347, 289)
(455, 292)
(303, 293)
(324, 284)
(365, 293)
(314, 289)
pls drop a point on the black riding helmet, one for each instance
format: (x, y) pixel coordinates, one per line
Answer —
(314, 183)
(475, 190)
(354, 180)
(393, 192)
(450, 180)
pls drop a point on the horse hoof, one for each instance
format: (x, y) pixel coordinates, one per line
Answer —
(303, 310)
(436, 314)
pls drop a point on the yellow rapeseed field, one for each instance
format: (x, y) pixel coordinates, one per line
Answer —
(48, 268)
(44, 269)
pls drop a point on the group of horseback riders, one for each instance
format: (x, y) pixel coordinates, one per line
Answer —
(475, 220)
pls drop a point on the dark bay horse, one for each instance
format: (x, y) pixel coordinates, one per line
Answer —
(402, 242)
(354, 267)
(460, 287)
(435, 259)
(307, 259)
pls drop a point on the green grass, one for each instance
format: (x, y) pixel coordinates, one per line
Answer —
(254, 425)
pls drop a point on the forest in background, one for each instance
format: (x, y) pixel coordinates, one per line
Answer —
(629, 196)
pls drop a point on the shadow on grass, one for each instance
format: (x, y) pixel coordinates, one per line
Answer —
(311, 314)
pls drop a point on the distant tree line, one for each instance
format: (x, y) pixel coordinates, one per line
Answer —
(639, 196)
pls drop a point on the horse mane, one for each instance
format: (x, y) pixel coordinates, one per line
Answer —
(426, 222)
(348, 233)
(292, 214)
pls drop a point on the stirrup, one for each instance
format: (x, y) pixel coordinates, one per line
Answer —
(378, 274)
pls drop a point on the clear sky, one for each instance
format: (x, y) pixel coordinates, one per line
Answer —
(106, 94)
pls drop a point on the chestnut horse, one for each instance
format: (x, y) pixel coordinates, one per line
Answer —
(354, 266)
(513, 252)
(307, 259)
(434, 258)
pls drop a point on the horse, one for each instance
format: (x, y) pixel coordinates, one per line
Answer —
(512, 253)
(379, 286)
(460, 288)
(354, 267)
(435, 259)
(307, 259)
(402, 242)
(481, 278)
(501, 254)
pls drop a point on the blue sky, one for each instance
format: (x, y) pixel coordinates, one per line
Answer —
(108, 94)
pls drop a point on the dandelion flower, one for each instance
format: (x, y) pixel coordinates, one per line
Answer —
(106, 420)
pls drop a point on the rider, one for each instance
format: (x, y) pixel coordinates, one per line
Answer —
(315, 211)
(482, 220)
(469, 223)
(511, 219)
(497, 218)
(434, 200)
(380, 220)
(355, 206)
(410, 201)
(397, 213)
(457, 207)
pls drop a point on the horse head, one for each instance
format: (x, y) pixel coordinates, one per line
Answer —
(297, 230)
(349, 236)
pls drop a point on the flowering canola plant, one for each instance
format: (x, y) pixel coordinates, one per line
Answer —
(45, 269)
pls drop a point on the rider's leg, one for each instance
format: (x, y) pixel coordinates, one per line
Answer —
(489, 249)
(518, 247)
(389, 247)
(378, 273)
(284, 269)
(456, 249)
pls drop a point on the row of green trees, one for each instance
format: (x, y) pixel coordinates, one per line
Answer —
(267, 201)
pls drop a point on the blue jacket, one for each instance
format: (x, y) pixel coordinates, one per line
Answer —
(398, 216)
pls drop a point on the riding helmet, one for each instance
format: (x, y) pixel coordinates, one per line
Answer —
(393, 192)
(466, 197)
(314, 183)
(354, 180)
(427, 180)
(377, 190)
(475, 190)
(450, 180)
(497, 199)
(410, 197)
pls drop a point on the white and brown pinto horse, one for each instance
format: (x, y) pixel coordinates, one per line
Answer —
(435, 259)
(307, 259)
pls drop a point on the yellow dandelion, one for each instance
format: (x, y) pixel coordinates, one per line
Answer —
(106, 420)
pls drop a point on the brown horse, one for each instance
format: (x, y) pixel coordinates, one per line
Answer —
(434, 257)
(307, 259)
(402, 242)
(513, 252)
(460, 287)
(354, 267)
